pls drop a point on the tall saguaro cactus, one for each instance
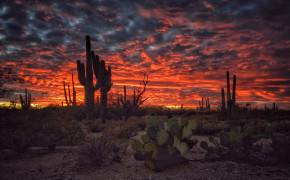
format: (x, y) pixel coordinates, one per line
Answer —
(25, 103)
(231, 99)
(228, 92)
(234, 92)
(103, 76)
(223, 100)
(70, 101)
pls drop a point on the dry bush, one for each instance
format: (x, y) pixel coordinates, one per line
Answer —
(73, 134)
(95, 152)
(95, 127)
(119, 151)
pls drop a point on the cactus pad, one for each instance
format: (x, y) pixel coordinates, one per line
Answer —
(192, 124)
(235, 136)
(166, 126)
(151, 133)
(152, 121)
(174, 128)
(182, 148)
(162, 137)
(151, 146)
(172, 120)
(160, 125)
(186, 132)
(137, 146)
(181, 123)
(176, 141)
(145, 139)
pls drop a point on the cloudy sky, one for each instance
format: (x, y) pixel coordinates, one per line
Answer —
(185, 46)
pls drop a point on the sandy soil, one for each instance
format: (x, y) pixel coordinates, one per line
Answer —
(63, 164)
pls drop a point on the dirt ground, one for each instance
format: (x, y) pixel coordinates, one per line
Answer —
(63, 164)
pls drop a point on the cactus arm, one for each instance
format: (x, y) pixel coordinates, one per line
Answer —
(81, 72)
(100, 78)
(69, 96)
(234, 91)
(65, 95)
(96, 64)
(74, 91)
(107, 79)
(26, 98)
(21, 101)
(223, 100)
(228, 91)
(29, 101)
(89, 70)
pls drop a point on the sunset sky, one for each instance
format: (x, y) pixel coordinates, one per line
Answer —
(185, 47)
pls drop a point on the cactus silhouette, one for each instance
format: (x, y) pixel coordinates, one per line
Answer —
(234, 92)
(231, 99)
(25, 103)
(85, 76)
(70, 101)
(228, 93)
(223, 100)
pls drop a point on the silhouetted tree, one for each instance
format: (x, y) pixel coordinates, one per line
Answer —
(8, 74)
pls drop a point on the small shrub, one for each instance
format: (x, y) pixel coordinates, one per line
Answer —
(281, 147)
(96, 127)
(126, 132)
(73, 134)
(95, 152)
(119, 151)
(80, 115)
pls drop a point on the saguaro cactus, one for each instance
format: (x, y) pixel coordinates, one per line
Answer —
(207, 107)
(74, 101)
(70, 101)
(228, 92)
(85, 76)
(223, 100)
(201, 104)
(231, 99)
(234, 92)
(25, 103)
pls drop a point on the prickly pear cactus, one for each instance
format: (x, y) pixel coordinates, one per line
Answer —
(137, 146)
(186, 132)
(162, 137)
(165, 143)
(152, 121)
(145, 139)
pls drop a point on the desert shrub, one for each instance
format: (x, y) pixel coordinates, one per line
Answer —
(238, 144)
(119, 151)
(281, 147)
(96, 126)
(80, 115)
(19, 142)
(125, 132)
(210, 128)
(73, 134)
(95, 152)
(49, 135)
